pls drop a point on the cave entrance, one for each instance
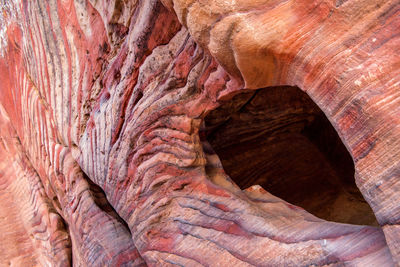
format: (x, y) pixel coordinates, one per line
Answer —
(278, 138)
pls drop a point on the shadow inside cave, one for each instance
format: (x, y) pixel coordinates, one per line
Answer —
(278, 138)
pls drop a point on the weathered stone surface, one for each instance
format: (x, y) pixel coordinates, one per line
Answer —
(107, 100)
(278, 138)
(32, 233)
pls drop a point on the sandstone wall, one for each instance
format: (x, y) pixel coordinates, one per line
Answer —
(102, 110)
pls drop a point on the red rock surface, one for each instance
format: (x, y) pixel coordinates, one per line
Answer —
(290, 148)
(105, 160)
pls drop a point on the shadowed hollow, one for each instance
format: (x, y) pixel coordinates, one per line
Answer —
(278, 138)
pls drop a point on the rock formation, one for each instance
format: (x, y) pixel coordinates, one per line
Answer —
(114, 116)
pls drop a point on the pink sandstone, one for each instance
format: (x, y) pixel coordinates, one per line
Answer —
(106, 158)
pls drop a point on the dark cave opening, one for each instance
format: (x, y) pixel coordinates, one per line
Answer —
(278, 138)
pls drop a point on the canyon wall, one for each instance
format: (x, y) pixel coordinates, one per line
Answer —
(109, 155)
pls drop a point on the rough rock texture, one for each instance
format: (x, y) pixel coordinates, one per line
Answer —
(278, 138)
(103, 107)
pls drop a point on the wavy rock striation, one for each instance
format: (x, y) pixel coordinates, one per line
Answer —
(105, 158)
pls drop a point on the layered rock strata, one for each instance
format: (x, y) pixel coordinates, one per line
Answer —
(103, 107)
(278, 138)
